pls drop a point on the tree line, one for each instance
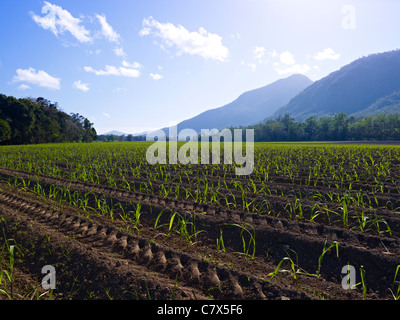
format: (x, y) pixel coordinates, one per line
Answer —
(33, 121)
(340, 127)
(119, 138)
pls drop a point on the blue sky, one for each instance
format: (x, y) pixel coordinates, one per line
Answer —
(133, 66)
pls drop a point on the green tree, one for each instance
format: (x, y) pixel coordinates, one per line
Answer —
(39, 120)
(311, 128)
(5, 131)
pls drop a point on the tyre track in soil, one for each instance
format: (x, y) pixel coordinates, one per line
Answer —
(191, 273)
(291, 193)
(220, 214)
(88, 265)
(300, 179)
(279, 204)
(295, 187)
(291, 190)
(199, 170)
(378, 254)
(275, 183)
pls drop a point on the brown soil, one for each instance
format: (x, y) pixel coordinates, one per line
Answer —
(97, 257)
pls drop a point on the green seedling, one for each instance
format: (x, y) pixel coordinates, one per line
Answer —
(220, 242)
(8, 274)
(396, 291)
(247, 229)
(335, 244)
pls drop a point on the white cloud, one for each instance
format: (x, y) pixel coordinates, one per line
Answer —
(326, 54)
(120, 89)
(23, 87)
(106, 115)
(145, 31)
(96, 52)
(296, 68)
(81, 86)
(59, 20)
(107, 30)
(258, 53)
(119, 52)
(115, 71)
(287, 58)
(287, 64)
(273, 53)
(39, 78)
(156, 76)
(127, 64)
(203, 43)
(252, 66)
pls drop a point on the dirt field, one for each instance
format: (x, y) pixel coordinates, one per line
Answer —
(287, 243)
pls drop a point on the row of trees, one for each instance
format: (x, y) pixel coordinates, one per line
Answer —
(340, 127)
(120, 138)
(32, 121)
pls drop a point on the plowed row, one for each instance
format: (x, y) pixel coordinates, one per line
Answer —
(100, 257)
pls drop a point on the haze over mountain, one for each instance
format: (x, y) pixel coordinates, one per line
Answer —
(250, 107)
(367, 86)
(120, 133)
(115, 133)
(385, 105)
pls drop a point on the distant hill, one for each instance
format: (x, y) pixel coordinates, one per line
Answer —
(250, 107)
(367, 85)
(389, 104)
(115, 133)
(123, 134)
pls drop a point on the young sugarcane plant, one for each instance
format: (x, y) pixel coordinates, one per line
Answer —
(335, 244)
(183, 224)
(294, 271)
(9, 274)
(396, 291)
(137, 214)
(247, 229)
(220, 242)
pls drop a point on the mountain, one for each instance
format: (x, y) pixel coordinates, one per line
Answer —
(365, 85)
(250, 107)
(115, 133)
(385, 105)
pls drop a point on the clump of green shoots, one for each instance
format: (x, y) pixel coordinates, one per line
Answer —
(182, 224)
(293, 271)
(220, 242)
(132, 216)
(325, 249)
(247, 231)
(8, 274)
(396, 291)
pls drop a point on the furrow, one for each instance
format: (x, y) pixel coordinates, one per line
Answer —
(221, 282)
